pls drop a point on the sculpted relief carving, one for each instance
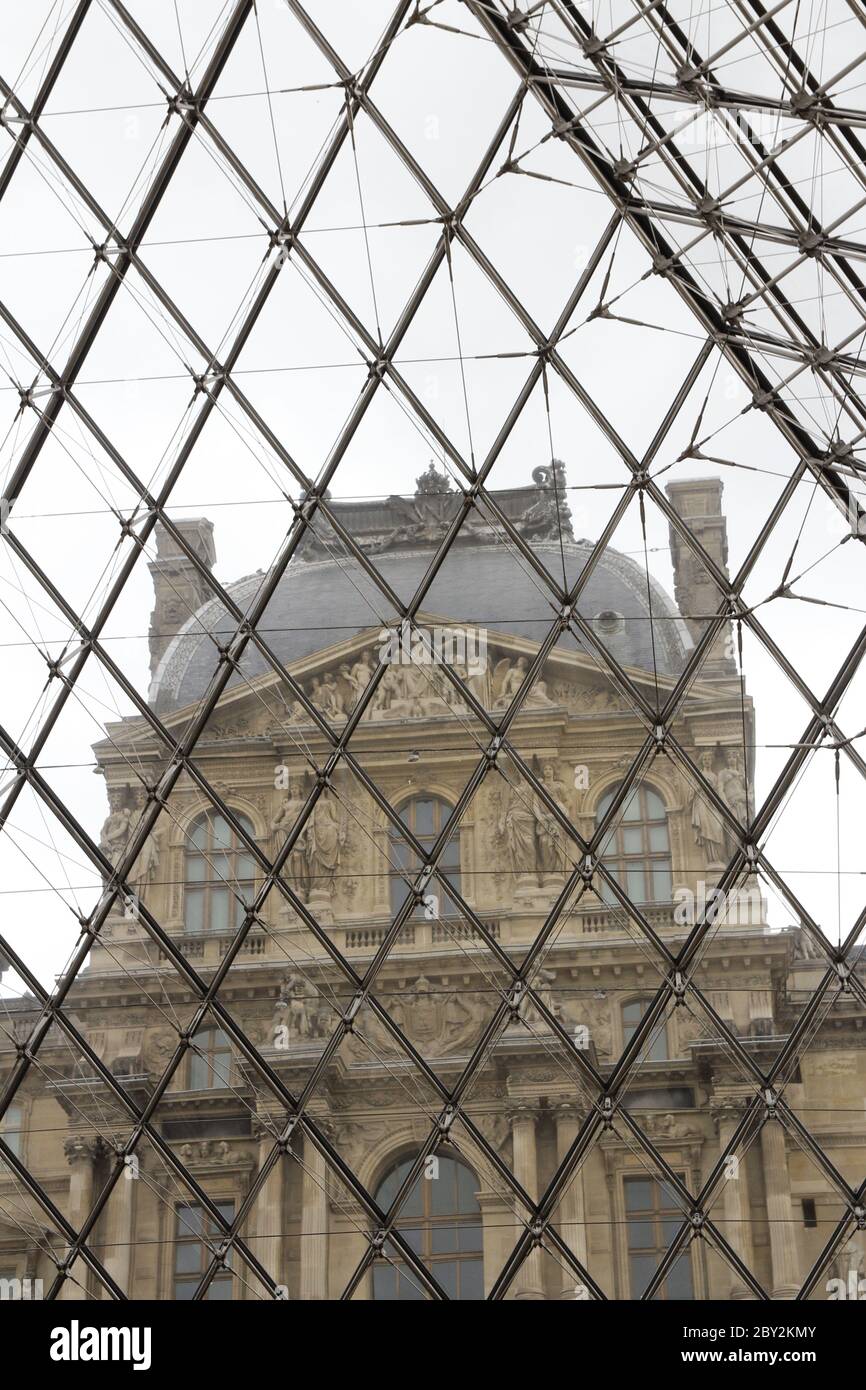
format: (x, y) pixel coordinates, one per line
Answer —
(299, 1013)
(532, 838)
(316, 855)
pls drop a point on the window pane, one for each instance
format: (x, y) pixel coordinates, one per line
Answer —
(445, 1271)
(638, 1194)
(469, 1237)
(661, 884)
(679, 1280)
(194, 910)
(635, 885)
(220, 901)
(631, 810)
(384, 1282)
(640, 1235)
(632, 839)
(220, 869)
(444, 1239)
(188, 1257)
(196, 868)
(471, 1279)
(643, 1267)
(424, 817)
(198, 1073)
(222, 835)
(658, 837)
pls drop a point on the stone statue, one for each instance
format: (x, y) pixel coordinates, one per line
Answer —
(508, 677)
(732, 790)
(534, 841)
(326, 697)
(324, 837)
(147, 863)
(336, 707)
(708, 828)
(115, 832)
(297, 868)
(804, 946)
(516, 827)
(296, 1014)
(548, 517)
(551, 839)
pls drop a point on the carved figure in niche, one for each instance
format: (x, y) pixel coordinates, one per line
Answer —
(296, 1013)
(115, 832)
(534, 842)
(147, 863)
(708, 828)
(297, 869)
(732, 789)
(508, 677)
(551, 839)
(516, 826)
(460, 1021)
(324, 838)
(424, 1013)
(542, 987)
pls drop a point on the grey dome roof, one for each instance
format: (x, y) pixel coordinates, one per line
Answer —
(320, 603)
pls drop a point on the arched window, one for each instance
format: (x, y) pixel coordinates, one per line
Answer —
(637, 849)
(441, 1220)
(424, 816)
(653, 1216)
(219, 876)
(632, 1013)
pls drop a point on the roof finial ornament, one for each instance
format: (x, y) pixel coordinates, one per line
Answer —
(432, 483)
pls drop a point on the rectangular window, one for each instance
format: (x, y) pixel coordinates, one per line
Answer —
(653, 1217)
(810, 1216)
(192, 1256)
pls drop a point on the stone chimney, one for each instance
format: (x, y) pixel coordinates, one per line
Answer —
(179, 588)
(699, 502)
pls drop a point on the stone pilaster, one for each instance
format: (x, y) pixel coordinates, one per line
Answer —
(572, 1208)
(727, 1115)
(82, 1154)
(314, 1225)
(528, 1282)
(119, 1222)
(780, 1213)
(269, 1210)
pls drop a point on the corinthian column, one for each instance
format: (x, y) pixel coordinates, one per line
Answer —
(736, 1213)
(81, 1155)
(528, 1282)
(780, 1215)
(572, 1213)
(268, 1243)
(314, 1225)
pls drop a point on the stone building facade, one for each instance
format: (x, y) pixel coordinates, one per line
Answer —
(346, 875)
